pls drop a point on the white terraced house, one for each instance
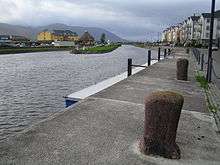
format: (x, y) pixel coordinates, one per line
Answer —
(195, 29)
(194, 32)
(185, 33)
(205, 21)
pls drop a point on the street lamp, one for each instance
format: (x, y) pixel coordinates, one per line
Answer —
(210, 60)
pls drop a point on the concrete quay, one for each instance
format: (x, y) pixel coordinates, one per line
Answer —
(106, 127)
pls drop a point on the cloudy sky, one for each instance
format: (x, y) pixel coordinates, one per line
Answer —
(134, 20)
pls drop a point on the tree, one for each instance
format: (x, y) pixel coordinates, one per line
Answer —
(102, 39)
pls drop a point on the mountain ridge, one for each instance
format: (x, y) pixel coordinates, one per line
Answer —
(31, 32)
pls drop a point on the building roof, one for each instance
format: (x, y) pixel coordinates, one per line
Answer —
(165, 30)
(5, 37)
(64, 32)
(19, 38)
(61, 32)
(208, 15)
(87, 37)
(195, 18)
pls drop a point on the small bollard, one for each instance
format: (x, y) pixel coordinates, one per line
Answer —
(149, 58)
(129, 67)
(202, 62)
(169, 51)
(182, 69)
(199, 58)
(159, 54)
(165, 53)
(162, 114)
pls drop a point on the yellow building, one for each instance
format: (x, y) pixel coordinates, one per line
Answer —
(45, 36)
(57, 35)
(72, 38)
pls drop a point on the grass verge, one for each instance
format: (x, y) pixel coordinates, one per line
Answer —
(202, 81)
(205, 85)
(100, 49)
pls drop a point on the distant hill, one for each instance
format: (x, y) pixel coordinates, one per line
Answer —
(31, 32)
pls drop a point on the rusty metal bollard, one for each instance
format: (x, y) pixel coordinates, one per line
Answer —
(162, 113)
(182, 69)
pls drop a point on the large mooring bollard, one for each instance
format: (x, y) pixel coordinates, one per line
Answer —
(162, 113)
(182, 69)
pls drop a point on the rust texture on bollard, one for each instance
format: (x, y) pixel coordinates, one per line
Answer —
(182, 69)
(162, 114)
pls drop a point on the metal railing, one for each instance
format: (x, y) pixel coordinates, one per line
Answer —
(165, 54)
(202, 62)
(199, 58)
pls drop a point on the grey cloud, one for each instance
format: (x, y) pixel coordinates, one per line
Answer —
(137, 20)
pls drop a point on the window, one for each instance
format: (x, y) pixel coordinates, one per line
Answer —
(208, 20)
(207, 35)
(207, 28)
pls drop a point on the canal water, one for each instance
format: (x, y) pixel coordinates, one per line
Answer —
(32, 85)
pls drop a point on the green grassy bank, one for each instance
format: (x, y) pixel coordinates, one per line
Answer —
(35, 49)
(100, 49)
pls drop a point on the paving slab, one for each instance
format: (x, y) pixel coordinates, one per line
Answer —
(105, 131)
(160, 76)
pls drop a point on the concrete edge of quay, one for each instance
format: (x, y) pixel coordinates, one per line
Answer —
(105, 128)
(213, 98)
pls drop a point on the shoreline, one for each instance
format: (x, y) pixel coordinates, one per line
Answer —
(94, 89)
(68, 89)
(6, 51)
(118, 111)
(93, 50)
(97, 50)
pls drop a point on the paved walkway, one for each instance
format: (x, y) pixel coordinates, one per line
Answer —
(105, 128)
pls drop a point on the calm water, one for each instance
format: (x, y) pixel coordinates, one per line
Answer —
(32, 85)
